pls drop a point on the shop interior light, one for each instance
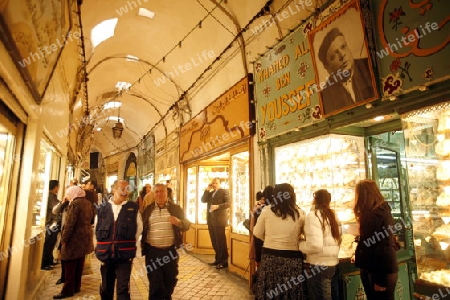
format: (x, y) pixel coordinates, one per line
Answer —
(379, 118)
(4, 137)
(143, 12)
(446, 219)
(443, 245)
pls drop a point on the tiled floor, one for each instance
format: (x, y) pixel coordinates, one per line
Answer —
(196, 280)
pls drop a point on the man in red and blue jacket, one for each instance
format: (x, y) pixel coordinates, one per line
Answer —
(117, 229)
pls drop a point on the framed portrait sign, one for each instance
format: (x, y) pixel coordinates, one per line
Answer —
(35, 32)
(343, 68)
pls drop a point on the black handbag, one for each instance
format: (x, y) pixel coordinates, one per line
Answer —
(246, 224)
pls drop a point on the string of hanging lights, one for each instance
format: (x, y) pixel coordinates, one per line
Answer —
(263, 11)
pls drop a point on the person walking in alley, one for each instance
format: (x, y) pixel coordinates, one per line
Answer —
(76, 240)
(51, 226)
(218, 201)
(164, 222)
(118, 227)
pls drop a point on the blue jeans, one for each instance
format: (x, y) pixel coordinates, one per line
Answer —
(324, 282)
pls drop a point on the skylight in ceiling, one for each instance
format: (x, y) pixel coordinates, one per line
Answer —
(143, 12)
(112, 104)
(115, 118)
(122, 85)
(132, 58)
(103, 31)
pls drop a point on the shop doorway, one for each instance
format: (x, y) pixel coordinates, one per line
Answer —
(233, 170)
(386, 166)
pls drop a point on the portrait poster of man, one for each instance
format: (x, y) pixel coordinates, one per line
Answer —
(344, 73)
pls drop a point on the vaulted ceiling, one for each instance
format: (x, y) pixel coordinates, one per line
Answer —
(178, 61)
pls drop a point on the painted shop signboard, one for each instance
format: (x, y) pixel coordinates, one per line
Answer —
(321, 69)
(224, 121)
(412, 44)
(283, 78)
(343, 67)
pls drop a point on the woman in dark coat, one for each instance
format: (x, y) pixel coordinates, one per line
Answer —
(376, 251)
(76, 240)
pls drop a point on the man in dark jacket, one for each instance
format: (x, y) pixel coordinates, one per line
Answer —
(218, 201)
(51, 229)
(164, 222)
(118, 228)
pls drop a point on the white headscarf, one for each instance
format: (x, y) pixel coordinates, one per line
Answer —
(73, 192)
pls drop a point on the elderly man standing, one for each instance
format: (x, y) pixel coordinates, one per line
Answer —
(164, 222)
(117, 229)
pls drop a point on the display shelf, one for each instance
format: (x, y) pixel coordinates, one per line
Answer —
(191, 196)
(41, 189)
(206, 174)
(240, 193)
(428, 169)
(332, 162)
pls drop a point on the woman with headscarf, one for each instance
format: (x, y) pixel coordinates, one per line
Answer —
(76, 240)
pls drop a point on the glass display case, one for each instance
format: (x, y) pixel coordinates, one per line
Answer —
(427, 135)
(191, 193)
(205, 176)
(332, 162)
(41, 186)
(387, 167)
(240, 193)
(7, 144)
(198, 178)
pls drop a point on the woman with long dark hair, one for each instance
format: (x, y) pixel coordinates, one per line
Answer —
(376, 250)
(321, 246)
(279, 226)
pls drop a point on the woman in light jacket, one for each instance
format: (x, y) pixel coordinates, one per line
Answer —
(321, 246)
(279, 226)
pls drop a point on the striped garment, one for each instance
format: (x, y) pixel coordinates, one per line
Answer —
(160, 232)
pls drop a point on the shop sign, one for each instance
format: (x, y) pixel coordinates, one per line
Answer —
(283, 78)
(412, 44)
(222, 122)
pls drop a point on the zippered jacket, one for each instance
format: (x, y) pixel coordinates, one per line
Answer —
(116, 240)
